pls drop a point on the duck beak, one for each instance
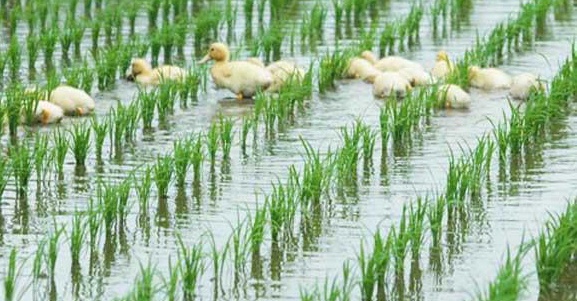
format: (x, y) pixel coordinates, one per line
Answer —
(79, 111)
(130, 78)
(45, 116)
(204, 59)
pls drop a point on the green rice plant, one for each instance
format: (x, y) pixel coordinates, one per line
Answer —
(21, 158)
(76, 238)
(3, 62)
(131, 9)
(11, 278)
(29, 105)
(77, 33)
(248, 7)
(206, 27)
(48, 40)
(226, 135)
(123, 193)
(60, 149)
(172, 283)
(401, 239)
(14, 53)
(32, 43)
(416, 227)
(230, 19)
(95, 27)
(510, 283)
(94, 218)
(388, 38)
(80, 144)
(197, 155)
(188, 89)
(5, 172)
(52, 256)
(191, 267)
(435, 215)
(131, 118)
(40, 157)
(100, 130)
(72, 75)
(212, 138)
(143, 189)
(182, 160)
(332, 67)
(338, 9)
(144, 289)
(87, 78)
(14, 96)
(238, 241)
(317, 175)
(369, 137)
(260, 11)
(38, 261)
(152, 8)
(218, 260)
(166, 95)
(257, 230)
(147, 103)
(108, 203)
(163, 170)
(247, 123)
(66, 38)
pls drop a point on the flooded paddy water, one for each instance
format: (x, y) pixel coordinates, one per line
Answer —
(200, 241)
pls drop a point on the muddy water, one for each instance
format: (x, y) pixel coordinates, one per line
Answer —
(513, 208)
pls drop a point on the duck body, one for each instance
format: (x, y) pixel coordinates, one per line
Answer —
(48, 113)
(454, 97)
(283, 72)
(361, 68)
(390, 63)
(72, 100)
(417, 76)
(443, 66)
(390, 84)
(244, 78)
(488, 78)
(523, 84)
(142, 72)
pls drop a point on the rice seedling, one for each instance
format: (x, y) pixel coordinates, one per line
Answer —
(368, 144)
(61, 145)
(143, 189)
(257, 230)
(94, 217)
(48, 40)
(163, 170)
(171, 284)
(80, 144)
(14, 96)
(76, 238)
(40, 157)
(191, 267)
(247, 123)
(435, 215)
(5, 173)
(11, 277)
(144, 288)
(3, 62)
(100, 129)
(197, 155)
(248, 8)
(153, 8)
(206, 27)
(14, 53)
(212, 138)
(182, 160)
(218, 260)
(32, 42)
(21, 162)
(416, 227)
(77, 33)
(510, 282)
(226, 135)
(331, 68)
(52, 256)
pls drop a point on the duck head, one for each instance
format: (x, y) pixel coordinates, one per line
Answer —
(472, 71)
(369, 56)
(218, 52)
(442, 56)
(137, 67)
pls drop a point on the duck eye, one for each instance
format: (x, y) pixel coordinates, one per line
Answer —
(211, 49)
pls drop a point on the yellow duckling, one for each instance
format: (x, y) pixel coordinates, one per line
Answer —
(361, 68)
(443, 66)
(241, 77)
(48, 113)
(389, 84)
(523, 84)
(488, 78)
(390, 63)
(282, 72)
(73, 101)
(454, 97)
(141, 71)
(417, 77)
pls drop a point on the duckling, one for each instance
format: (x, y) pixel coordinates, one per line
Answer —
(390, 63)
(141, 71)
(73, 101)
(48, 113)
(523, 84)
(488, 78)
(417, 77)
(241, 77)
(389, 84)
(361, 68)
(454, 97)
(443, 66)
(282, 72)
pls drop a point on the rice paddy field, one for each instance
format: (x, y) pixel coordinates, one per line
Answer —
(318, 192)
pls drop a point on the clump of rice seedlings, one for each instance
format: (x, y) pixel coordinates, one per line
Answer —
(388, 38)
(316, 175)
(230, 19)
(86, 78)
(147, 103)
(206, 27)
(76, 238)
(212, 138)
(131, 9)
(11, 278)
(94, 217)
(77, 34)
(435, 215)
(52, 255)
(14, 53)
(218, 260)
(439, 10)
(191, 267)
(5, 173)
(100, 130)
(271, 42)
(3, 62)
(226, 135)
(48, 40)
(369, 137)
(247, 123)
(166, 95)
(106, 67)
(401, 239)
(32, 43)
(182, 160)
(197, 156)
(260, 11)
(40, 157)
(153, 8)
(188, 88)
(14, 96)
(248, 7)
(144, 288)
(80, 145)
(338, 9)
(163, 170)
(331, 68)
(171, 284)
(108, 202)
(143, 190)
(21, 162)
(61, 145)
(72, 75)
(257, 230)
(416, 227)
(510, 282)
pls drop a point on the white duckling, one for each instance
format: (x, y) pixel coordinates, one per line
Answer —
(48, 113)
(523, 84)
(488, 78)
(454, 97)
(390, 63)
(417, 77)
(282, 72)
(241, 77)
(142, 72)
(388, 84)
(361, 68)
(443, 66)
(73, 101)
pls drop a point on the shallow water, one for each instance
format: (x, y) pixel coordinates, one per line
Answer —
(512, 209)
